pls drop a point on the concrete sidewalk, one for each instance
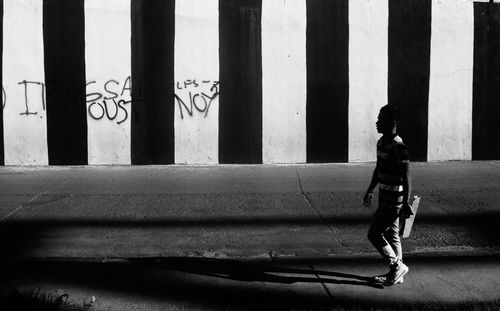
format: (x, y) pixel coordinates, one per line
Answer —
(434, 283)
(180, 237)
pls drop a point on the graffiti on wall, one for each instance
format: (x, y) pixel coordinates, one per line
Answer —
(193, 95)
(110, 101)
(31, 90)
(109, 104)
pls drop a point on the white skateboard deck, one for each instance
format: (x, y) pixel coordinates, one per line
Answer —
(407, 224)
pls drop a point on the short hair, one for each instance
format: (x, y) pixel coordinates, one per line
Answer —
(391, 112)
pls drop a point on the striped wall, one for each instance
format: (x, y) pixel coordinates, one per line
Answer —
(283, 98)
(409, 68)
(24, 112)
(108, 82)
(450, 83)
(486, 94)
(327, 69)
(246, 81)
(153, 87)
(64, 53)
(196, 73)
(240, 102)
(368, 61)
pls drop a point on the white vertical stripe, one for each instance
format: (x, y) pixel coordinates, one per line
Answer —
(196, 81)
(368, 65)
(284, 81)
(25, 119)
(108, 65)
(450, 93)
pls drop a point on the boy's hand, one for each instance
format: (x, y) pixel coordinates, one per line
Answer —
(367, 200)
(407, 211)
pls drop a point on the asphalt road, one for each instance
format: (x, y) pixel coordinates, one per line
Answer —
(235, 211)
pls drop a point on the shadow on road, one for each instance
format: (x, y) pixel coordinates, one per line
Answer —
(189, 282)
(257, 272)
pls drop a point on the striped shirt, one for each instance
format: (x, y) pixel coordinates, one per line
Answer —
(391, 153)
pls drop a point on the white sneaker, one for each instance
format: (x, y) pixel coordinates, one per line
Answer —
(396, 274)
(383, 279)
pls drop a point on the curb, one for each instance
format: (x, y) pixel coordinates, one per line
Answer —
(333, 257)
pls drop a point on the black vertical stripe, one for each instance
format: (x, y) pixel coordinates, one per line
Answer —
(152, 122)
(64, 51)
(327, 50)
(486, 81)
(240, 101)
(409, 70)
(2, 147)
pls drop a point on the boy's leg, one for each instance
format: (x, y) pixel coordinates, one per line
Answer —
(392, 237)
(384, 218)
(398, 269)
(386, 224)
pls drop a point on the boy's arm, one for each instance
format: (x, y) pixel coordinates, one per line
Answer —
(367, 200)
(406, 189)
(374, 181)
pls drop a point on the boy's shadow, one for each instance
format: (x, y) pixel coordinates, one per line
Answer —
(257, 272)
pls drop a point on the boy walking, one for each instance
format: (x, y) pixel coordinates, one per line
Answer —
(392, 174)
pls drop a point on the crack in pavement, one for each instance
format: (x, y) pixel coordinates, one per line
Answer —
(325, 288)
(33, 199)
(318, 213)
(306, 198)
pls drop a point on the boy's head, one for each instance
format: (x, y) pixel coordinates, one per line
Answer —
(388, 120)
